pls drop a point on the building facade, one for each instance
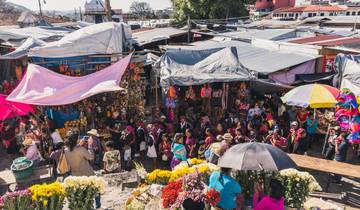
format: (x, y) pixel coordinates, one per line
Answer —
(95, 12)
(295, 13)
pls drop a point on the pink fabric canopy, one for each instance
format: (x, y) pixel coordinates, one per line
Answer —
(10, 109)
(41, 86)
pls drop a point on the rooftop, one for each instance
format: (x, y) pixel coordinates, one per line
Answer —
(328, 40)
(311, 8)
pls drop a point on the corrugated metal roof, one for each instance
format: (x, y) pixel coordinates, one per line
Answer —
(255, 58)
(270, 34)
(315, 39)
(156, 34)
(327, 40)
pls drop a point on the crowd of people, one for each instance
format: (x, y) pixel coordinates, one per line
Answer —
(197, 127)
(193, 133)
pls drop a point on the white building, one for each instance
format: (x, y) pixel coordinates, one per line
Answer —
(27, 19)
(295, 13)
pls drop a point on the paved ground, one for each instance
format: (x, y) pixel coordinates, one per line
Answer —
(115, 197)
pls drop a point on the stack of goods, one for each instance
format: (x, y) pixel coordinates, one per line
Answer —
(72, 124)
(142, 196)
(136, 92)
(347, 114)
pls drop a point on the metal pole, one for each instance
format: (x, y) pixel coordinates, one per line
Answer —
(326, 139)
(41, 14)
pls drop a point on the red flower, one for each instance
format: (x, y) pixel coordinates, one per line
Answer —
(171, 192)
(213, 197)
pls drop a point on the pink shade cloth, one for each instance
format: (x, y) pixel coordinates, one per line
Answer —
(10, 109)
(41, 86)
(268, 203)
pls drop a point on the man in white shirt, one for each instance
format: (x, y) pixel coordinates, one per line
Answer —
(55, 135)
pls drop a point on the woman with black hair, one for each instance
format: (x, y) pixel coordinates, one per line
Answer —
(273, 201)
(78, 156)
(228, 187)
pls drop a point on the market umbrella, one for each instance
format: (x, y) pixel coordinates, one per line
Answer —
(313, 95)
(256, 157)
(10, 109)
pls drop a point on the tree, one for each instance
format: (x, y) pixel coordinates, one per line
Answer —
(209, 9)
(141, 9)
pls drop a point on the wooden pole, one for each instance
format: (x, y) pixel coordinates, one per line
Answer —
(108, 10)
(189, 29)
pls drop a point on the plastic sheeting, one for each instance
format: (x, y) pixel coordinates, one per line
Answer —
(41, 86)
(255, 58)
(289, 77)
(43, 33)
(347, 75)
(195, 67)
(104, 38)
(23, 50)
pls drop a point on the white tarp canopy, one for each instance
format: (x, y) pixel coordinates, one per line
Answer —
(254, 58)
(12, 34)
(195, 67)
(104, 38)
(24, 48)
(347, 69)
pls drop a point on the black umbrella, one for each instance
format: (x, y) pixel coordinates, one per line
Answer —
(256, 157)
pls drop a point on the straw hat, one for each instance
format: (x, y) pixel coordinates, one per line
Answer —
(228, 137)
(93, 132)
(28, 142)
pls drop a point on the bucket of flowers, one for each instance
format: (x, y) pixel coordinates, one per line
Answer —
(19, 200)
(48, 196)
(81, 191)
(298, 185)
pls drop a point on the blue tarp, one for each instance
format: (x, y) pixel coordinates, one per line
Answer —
(60, 117)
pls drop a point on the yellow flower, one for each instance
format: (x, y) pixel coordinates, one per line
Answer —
(45, 202)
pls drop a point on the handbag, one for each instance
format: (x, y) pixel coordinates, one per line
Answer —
(63, 166)
(164, 157)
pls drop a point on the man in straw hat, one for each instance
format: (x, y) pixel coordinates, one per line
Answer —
(96, 146)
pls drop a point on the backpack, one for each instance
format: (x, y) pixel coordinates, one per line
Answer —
(149, 140)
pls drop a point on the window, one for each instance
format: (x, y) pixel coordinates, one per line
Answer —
(358, 13)
(310, 15)
(331, 14)
(353, 13)
(347, 13)
(314, 14)
(322, 14)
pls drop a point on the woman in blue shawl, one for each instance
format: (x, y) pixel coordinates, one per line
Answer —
(178, 149)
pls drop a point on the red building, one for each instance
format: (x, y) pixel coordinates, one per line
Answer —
(269, 5)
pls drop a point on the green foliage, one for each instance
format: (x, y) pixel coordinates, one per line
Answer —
(141, 10)
(209, 9)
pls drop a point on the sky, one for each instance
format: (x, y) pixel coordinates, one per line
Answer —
(71, 4)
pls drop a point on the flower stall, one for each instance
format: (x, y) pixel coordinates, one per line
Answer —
(184, 184)
(78, 192)
(298, 185)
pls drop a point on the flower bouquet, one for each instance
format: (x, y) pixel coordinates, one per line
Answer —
(19, 200)
(48, 196)
(81, 191)
(170, 193)
(212, 196)
(298, 185)
(159, 177)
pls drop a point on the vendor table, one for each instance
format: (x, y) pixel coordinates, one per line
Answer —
(41, 174)
(328, 166)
